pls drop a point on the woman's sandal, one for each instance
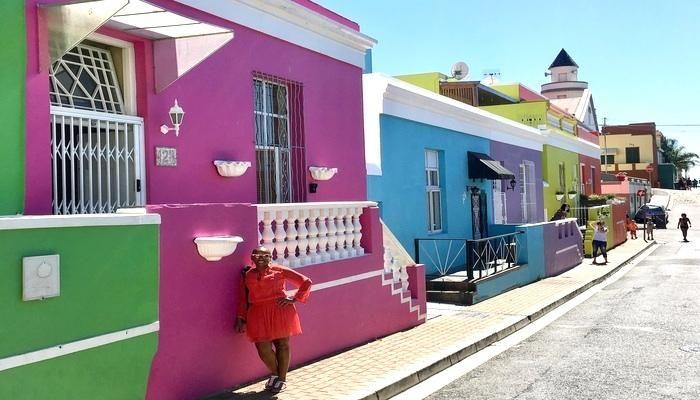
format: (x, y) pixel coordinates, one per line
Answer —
(278, 386)
(271, 382)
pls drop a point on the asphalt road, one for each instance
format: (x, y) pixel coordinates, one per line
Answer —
(638, 338)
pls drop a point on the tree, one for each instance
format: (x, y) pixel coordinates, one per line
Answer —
(677, 155)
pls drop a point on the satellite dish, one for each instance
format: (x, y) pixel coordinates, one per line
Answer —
(459, 70)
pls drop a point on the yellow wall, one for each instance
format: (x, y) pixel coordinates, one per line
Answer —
(512, 90)
(620, 142)
(429, 80)
(532, 113)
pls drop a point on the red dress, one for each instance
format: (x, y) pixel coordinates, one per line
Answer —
(266, 320)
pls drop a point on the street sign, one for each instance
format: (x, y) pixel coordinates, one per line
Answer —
(650, 168)
(641, 193)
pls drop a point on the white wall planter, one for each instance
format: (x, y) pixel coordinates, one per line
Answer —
(322, 173)
(572, 196)
(214, 248)
(559, 196)
(231, 168)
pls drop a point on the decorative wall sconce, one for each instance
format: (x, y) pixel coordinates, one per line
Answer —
(214, 248)
(475, 190)
(512, 184)
(231, 168)
(322, 173)
(176, 114)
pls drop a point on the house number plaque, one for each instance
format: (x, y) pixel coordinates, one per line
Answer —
(166, 157)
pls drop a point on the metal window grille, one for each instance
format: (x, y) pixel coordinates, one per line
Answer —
(96, 159)
(528, 200)
(433, 192)
(85, 78)
(279, 139)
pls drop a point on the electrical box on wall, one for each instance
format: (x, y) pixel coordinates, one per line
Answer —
(41, 277)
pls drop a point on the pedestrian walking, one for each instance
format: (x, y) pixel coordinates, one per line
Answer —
(600, 240)
(684, 224)
(648, 229)
(268, 316)
(631, 227)
(561, 213)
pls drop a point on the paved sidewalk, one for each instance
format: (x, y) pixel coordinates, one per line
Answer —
(384, 368)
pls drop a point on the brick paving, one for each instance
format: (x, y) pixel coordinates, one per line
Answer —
(385, 367)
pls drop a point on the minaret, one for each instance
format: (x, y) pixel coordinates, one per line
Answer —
(564, 81)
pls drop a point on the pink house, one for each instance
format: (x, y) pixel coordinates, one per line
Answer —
(238, 118)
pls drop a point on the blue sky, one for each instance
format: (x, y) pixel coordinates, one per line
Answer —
(641, 58)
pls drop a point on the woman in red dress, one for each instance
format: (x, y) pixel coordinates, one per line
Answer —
(267, 315)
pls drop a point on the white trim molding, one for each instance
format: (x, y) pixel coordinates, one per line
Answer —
(77, 220)
(391, 96)
(294, 23)
(571, 143)
(74, 347)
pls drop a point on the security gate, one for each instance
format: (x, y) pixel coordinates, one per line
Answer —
(96, 159)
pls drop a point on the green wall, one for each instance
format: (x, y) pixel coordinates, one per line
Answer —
(109, 283)
(512, 90)
(12, 69)
(117, 371)
(551, 159)
(531, 113)
(428, 80)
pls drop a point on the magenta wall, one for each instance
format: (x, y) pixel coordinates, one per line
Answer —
(217, 97)
(199, 353)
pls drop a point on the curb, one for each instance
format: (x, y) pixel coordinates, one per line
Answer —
(421, 375)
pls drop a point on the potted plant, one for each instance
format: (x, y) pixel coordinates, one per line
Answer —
(572, 194)
(595, 200)
(559, 195)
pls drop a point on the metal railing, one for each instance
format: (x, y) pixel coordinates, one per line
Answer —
(581, 215)
(492, 254)
(479, 258)
(446, 256)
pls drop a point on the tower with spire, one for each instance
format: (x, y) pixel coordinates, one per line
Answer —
(563, 74)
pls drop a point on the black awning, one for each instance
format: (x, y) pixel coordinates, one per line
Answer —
(481, 166)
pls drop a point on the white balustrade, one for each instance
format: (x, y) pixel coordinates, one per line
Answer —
(398, 272)
(310, 233)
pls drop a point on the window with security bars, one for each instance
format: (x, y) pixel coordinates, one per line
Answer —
(279, 140)
(85, 78)
(96, 150)
(433, 192)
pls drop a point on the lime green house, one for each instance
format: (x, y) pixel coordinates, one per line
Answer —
(561, 169)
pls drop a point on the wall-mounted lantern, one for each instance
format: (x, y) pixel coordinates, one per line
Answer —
(176, 114)
(512, 184)
(475, 190)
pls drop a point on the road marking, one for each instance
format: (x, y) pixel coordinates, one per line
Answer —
(451, 374)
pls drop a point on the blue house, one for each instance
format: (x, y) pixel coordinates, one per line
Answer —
(445, 172)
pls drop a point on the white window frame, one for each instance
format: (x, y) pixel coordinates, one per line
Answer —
(129, 95)
(528, 192)
(435, 220)
(128, 68)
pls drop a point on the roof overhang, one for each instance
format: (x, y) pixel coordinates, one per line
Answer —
(180, 43)
(481, 166)
(394, 97)
(292, 22)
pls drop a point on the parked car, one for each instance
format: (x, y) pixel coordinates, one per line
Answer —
(658, 214)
